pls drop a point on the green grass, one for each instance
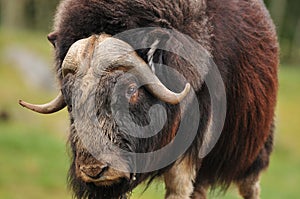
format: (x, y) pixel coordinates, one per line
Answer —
(32, 162)
(33, 157)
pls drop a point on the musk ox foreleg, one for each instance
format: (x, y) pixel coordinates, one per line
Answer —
(179, 179)
(249, 188)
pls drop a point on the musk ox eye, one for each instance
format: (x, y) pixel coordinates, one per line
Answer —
(132, 89)
(132, 92)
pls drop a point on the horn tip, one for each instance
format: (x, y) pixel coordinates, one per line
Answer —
(26, 105)
(188, 87)
(22, 103)
(184, 93)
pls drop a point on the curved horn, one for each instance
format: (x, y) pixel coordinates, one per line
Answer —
(75, 55)
(80, 54)
(55, 105)
(113, 53)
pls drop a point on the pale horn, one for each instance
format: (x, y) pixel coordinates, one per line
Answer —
(54, 106)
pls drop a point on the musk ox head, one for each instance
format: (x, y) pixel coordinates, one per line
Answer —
(110, 93)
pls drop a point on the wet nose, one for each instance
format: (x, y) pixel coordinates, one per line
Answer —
(94, 171)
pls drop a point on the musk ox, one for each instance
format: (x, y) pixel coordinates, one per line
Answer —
(107, 83)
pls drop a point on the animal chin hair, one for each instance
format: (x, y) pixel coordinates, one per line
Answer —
(82, 190)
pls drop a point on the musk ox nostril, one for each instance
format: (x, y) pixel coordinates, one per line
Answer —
(94, 171)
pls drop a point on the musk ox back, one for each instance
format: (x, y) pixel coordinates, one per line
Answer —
(112, 88)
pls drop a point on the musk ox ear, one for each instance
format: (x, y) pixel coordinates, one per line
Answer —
(52, 37)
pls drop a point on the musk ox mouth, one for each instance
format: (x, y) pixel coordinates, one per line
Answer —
(108, 177)
(100, 173)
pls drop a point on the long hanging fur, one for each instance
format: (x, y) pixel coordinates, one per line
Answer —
(242, 41)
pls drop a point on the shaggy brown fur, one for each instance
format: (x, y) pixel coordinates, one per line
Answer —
(242, 40)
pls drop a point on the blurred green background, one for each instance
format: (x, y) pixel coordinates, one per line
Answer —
(33, 154)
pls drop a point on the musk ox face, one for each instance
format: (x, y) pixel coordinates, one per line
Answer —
(110, 93)
(115, 103)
